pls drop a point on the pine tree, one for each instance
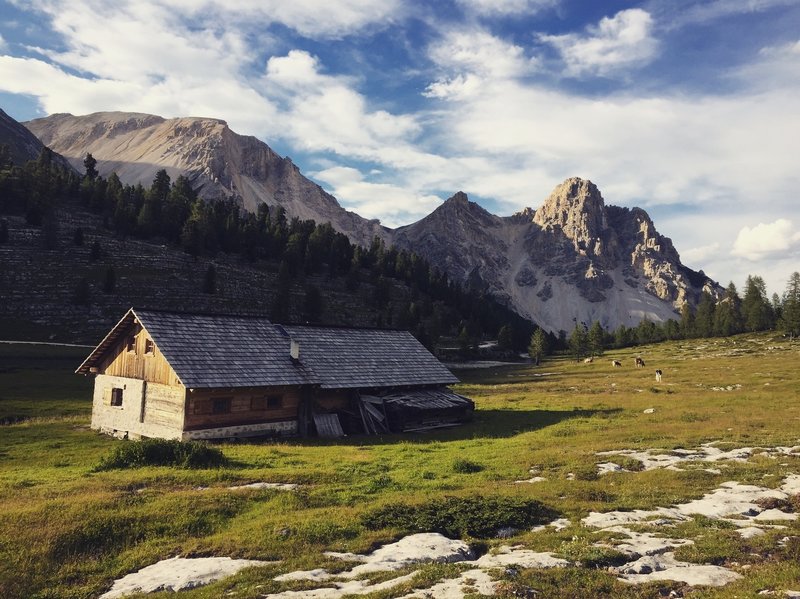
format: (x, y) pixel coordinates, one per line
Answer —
(704, 317)
(538, 346)
(727, 315)
(596, 339)
(579, 341)
(89, 164)
(686, 325)
(3, 230)
(505, 337)
(790, 317)
(756, 310)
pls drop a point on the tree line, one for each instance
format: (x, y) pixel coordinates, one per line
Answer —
(731, 315)
(173, 212)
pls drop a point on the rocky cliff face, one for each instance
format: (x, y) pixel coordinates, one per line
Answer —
(574, 259)
(218, 162)
(22, 144)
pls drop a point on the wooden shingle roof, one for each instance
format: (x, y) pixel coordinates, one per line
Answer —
(220, 351)
(358, 358)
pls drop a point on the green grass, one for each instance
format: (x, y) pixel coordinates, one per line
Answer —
(68, 530)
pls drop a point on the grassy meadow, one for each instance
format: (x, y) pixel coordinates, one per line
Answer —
(68, 529)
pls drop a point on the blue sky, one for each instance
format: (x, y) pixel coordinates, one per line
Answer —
(685, 108)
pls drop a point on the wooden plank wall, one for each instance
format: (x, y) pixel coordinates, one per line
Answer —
(199, 406)
(138, 364)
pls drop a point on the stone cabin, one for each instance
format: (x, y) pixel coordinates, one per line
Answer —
(193, 376)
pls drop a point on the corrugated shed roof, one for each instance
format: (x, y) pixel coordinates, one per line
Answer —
(220, 351)
(351, 358)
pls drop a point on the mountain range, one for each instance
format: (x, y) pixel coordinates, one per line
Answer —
(573, 259)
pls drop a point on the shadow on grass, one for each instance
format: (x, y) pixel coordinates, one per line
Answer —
(486, 424)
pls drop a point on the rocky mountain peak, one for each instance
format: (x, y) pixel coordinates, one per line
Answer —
(576, 209)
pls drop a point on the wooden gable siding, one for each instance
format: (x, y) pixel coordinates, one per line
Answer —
(139, 363)
(247, 406)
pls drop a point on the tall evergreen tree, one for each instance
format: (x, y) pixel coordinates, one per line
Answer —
(790, 317)
(704, 317)
(686, 326)
(538, 346)
(756, 310)
(90, 164)
(505, 337)
(579, 341)
(596, 338)
(727, 315)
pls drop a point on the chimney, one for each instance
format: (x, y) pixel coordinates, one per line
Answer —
(294, 349)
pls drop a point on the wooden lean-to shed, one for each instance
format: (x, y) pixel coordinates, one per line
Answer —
(193, 376)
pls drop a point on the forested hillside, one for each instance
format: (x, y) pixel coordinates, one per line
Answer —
(75, 251)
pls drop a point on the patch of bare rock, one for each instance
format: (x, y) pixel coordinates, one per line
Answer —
(178, 574)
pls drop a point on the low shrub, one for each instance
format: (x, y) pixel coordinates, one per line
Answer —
(460, 516)
(162, 452)
(462, 466)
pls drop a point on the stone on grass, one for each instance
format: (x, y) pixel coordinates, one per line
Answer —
(178, 574)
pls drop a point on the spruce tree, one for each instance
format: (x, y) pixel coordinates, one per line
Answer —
(790, 318)
(579, 341)
(596, 339)
(757, 313)
(538, 346)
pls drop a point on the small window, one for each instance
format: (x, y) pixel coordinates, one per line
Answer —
(130, 344)
(266, 402)
(116, 397)
(149, 346)
(221, 405)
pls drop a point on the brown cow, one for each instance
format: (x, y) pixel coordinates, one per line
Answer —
(639, 362)
(616, 363)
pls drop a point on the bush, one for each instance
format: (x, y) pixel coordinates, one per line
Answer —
(462, 466)
(162, 452)
(458, 516)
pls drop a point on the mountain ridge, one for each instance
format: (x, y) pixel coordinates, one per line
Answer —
(572, 260)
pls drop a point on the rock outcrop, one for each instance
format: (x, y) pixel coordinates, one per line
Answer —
(217, 161)
(574, 259)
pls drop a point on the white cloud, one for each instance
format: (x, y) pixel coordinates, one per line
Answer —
(479, 52)
(700, 255)
(394, 205)
(711, 10)
(2, 43)
(765, 239)
(617, 42)
(503, 8)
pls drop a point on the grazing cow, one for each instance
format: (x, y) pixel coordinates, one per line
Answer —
(616, 363)
(639, 362)
(658, 376)
(588, 360)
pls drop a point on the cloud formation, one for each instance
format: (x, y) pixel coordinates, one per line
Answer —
(780, 238)
(615, 43)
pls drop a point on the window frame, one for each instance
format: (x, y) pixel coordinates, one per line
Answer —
(117, 397)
